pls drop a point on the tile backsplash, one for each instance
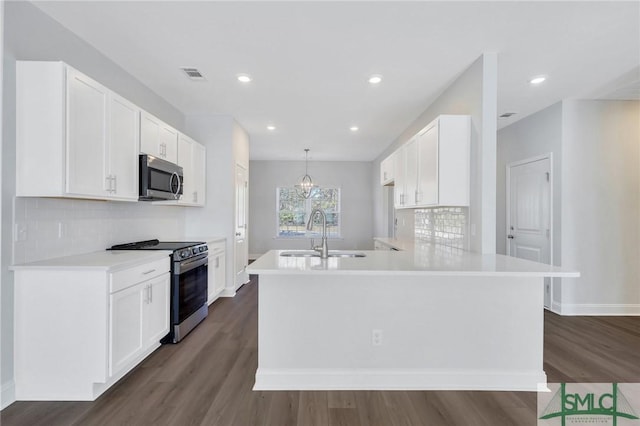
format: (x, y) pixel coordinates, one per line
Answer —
(446, 226)
(45, 228)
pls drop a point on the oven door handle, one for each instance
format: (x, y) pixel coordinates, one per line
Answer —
(190, 264)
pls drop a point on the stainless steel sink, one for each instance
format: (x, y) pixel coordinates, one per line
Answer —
(300, 253)
(346, 253)
(312, 253)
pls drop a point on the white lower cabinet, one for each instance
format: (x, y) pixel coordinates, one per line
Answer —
(216, 278)
(83, 322)
(139, 318)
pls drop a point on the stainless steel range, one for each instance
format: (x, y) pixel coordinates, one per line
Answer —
(189, 270)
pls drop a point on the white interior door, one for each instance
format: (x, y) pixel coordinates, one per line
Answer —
(529, 213)
(241, 245)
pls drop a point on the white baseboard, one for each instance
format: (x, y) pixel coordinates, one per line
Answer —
(7, 394)
(228, 292)
(595, 309)
(398, 379)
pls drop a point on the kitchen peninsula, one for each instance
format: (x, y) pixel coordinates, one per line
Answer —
(432, 318)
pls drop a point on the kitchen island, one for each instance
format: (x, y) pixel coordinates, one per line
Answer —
(433, 318)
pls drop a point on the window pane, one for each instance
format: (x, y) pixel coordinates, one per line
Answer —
(293, 211)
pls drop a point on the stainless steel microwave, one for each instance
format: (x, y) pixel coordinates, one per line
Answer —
(159, 179)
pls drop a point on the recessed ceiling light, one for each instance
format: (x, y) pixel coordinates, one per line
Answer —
(244, 78)
(354, 128)
(537, 80)
(272, 128)
(375, 79)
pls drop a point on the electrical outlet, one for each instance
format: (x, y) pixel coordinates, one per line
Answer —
(376, 337)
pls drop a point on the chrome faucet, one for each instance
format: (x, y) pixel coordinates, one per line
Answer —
(322, 248)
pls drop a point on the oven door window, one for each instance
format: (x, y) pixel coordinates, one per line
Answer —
(192, 292)
(160, 180)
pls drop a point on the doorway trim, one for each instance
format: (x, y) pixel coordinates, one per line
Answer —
(509, 166)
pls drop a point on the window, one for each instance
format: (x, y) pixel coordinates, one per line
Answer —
(294, 210)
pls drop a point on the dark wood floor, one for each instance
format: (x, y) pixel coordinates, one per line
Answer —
(207, 380)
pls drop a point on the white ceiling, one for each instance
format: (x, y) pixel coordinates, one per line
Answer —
(310, 60)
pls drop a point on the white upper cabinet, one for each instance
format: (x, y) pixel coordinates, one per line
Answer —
(192, 158)
(185, 160)
(427, 161)
(123, 148)
(400, 177)
(75, 138)
(158, 138)
(199, 173)
(87, 135)
(387, 170)
(433, 168)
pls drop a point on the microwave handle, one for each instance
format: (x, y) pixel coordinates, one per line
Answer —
(175, 175)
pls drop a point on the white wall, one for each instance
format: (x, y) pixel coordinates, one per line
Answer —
(29, 34)
(601, 206)
(354, 179)
(473, 92)
(227, 144)
(596, 184)
(535, 135)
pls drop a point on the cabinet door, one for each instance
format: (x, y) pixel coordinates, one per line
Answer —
(123, 148)
(126, 327)
(169, 143)
(220, 273)
(387, 170)
(399, 194)
(411, 173)
(185, 160)
(158, 138)
(86, 135)
(199, 175)
(427, 190)
(150, 135)
(156, 310)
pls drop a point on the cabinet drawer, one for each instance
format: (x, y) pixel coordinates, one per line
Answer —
(216, 247)
(123, 279)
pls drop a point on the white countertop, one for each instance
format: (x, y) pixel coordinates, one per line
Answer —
(207, 240)
(397, 243)
(100, 260)
(429, 260)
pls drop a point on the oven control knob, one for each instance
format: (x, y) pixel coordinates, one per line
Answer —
(194, 251)
(184, 253)
(202, 249)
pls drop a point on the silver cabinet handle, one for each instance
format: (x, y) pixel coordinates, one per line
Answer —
(150, 293)
(148, 272)
(511, 237)
(110, 183)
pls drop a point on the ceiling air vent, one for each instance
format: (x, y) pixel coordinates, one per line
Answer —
(193, 73)
(507, 114)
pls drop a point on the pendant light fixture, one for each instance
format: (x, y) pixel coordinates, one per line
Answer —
(306, 186)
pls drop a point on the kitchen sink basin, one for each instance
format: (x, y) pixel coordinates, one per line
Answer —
(312, 253)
